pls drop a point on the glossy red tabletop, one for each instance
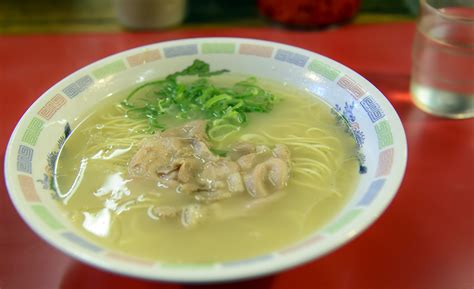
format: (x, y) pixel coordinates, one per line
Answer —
(425, 239)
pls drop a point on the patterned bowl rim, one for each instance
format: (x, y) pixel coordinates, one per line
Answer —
(240, 269)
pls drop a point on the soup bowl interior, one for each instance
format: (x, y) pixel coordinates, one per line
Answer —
(370, 118)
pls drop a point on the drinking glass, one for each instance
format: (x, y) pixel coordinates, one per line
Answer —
(442, 81)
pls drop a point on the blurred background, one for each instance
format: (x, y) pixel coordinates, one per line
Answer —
(57, 16)
(426, 236)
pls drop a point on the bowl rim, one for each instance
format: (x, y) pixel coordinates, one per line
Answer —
(215, 273)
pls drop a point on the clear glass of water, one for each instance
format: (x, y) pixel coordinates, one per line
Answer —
(442, 81)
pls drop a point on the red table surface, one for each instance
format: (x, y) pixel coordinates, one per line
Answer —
(425, 238)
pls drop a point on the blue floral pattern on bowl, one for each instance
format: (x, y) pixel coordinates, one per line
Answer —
(346, 116)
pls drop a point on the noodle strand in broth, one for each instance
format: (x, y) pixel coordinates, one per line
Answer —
(117, 211)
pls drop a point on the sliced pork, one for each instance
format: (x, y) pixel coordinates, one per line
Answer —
(181, 159)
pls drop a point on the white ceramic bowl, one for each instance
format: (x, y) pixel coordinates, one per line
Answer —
(373, 121)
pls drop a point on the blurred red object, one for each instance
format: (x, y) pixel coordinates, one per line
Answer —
(309, 13)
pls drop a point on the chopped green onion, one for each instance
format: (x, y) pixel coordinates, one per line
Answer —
(219, 133)
(215, 99)
(225, 108)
